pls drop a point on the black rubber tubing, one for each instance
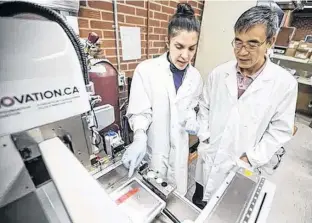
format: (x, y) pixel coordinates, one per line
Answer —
(8, 9)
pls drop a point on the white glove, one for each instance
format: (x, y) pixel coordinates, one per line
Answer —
(192, 127)
(135, 152)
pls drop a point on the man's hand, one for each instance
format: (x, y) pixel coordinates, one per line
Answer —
(245, 159)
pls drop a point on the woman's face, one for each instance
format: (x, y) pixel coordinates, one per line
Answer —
(182, 48)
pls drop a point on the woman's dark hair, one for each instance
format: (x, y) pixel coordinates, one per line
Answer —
(183, 19)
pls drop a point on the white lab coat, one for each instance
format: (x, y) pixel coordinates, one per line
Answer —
(258, 123)
(155, 106)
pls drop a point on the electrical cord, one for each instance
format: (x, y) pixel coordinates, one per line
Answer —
(171, 216)
(8, 9)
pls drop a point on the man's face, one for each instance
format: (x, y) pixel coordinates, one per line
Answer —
(182, 48)
(250, 47)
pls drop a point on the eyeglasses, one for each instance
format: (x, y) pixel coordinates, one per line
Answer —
(249, 46)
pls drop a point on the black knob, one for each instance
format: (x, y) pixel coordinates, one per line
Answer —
(164, 184)
(25, 153)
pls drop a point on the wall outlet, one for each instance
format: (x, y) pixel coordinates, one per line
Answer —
(121, 79)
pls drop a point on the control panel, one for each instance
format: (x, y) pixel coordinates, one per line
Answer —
(157, 184)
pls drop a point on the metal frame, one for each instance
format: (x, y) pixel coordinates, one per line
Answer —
(15, 181)
(215, 198)
(76, 182)
(257, 208)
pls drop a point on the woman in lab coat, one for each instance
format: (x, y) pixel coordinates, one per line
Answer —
(164, 93)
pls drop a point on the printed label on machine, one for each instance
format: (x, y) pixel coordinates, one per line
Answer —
(43, 104)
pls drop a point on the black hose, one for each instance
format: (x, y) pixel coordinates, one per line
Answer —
(8, 9)
(171, 216)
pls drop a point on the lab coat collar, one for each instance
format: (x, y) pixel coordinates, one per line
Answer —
(259, 83)
(186, 85)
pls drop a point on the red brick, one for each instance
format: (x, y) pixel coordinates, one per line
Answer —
(124, 66)
(84, 33)
(160, 16)
(132, 66)
(143, 43)
(143, 51)
(89, 13)
(160, 30)
(110, 52)
(200, 5)
(150, 44)
(154, 6)
(153, 37)
(193, 3)
(159, 44)
(106, 5)
(163, 37)
(164, 24)
(134, 20)
(164, 2)
(197, 11)
(140, 3)
(167, 10)
(108, 44)
(83, 23)
(153, 22)
(141, 12)
(143, 36)
(174, 4)
(113, 60)
(144, 29)
(109, 34)
(126, 9)
(153, 51)
(101, 25)
(121, 18)
(129, 73)
(107, 16)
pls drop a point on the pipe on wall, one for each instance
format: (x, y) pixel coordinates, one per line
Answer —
(116, 33)
(147, 36)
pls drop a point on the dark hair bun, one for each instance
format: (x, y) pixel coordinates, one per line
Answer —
(185, 9)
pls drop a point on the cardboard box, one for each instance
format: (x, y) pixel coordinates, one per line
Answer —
(293, 44)
(290, 52)
(292, 47)
(302, 54)
(303, 46)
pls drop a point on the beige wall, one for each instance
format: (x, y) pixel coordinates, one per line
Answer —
(217, 33)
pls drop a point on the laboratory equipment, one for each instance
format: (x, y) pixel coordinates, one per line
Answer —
(45, 147)
(157, 184)
(41, 84)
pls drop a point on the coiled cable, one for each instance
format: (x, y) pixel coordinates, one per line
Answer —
(8, 9)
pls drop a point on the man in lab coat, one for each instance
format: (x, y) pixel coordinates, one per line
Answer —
(248, 106)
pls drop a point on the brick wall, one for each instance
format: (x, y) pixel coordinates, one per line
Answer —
(303, 27)
(97, 16)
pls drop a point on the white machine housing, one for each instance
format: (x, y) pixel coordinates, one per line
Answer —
(41, 79)
(41, 82)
